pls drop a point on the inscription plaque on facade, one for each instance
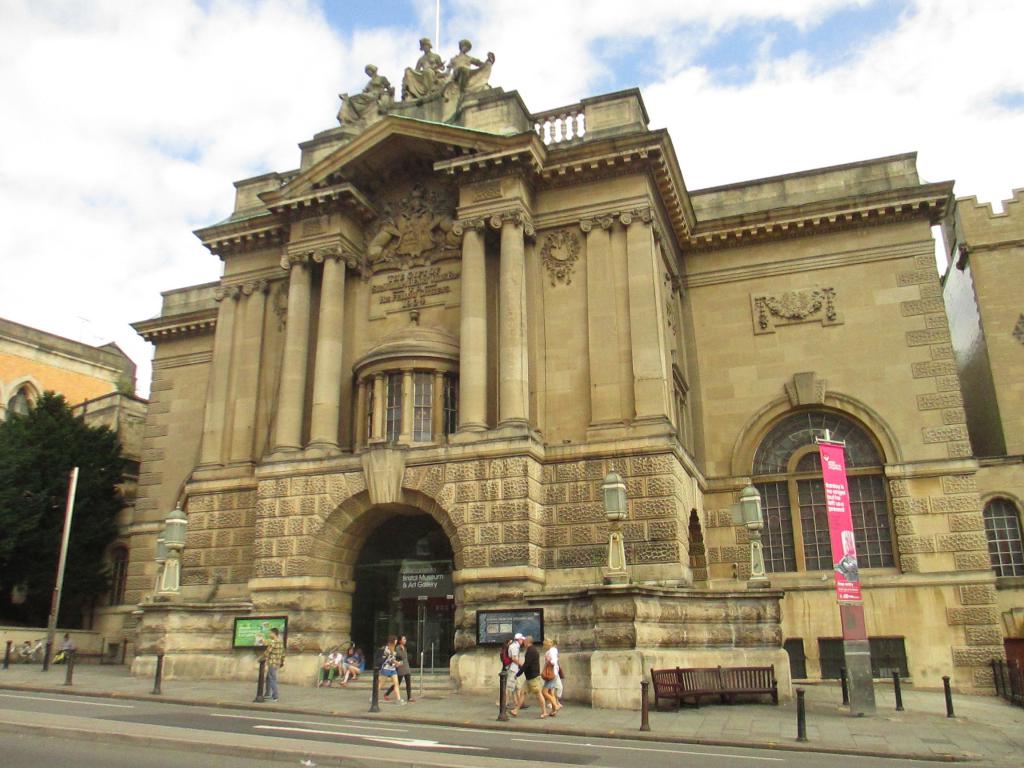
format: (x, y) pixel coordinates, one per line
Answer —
(432, 286)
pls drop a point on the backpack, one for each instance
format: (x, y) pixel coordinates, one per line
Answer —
(506, 659)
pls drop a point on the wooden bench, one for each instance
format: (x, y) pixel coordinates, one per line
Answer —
(726, 683)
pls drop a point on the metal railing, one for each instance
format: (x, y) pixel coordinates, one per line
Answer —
(1009, 679)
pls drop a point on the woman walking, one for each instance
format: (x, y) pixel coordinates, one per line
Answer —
(389, 670)
(550, 676)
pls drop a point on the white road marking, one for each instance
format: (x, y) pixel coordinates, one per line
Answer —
(340, 724)
(650, 749)
(66, 701)
(392, 740)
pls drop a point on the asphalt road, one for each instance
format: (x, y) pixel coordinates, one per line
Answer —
(112, 733)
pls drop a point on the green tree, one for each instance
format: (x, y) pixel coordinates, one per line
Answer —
(37, 453)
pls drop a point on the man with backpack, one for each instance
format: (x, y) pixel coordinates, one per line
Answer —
(511, 660)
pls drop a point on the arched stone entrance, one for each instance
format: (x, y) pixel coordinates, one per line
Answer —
(403, 586)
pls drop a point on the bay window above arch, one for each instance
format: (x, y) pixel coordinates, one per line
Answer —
(407, 389)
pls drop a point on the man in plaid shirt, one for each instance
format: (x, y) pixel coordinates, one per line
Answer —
(274, 656)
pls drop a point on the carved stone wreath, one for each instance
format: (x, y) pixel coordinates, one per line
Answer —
(560, 252)
(817, 304)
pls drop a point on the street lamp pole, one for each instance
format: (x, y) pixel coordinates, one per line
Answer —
(51, 626)
(748, 514)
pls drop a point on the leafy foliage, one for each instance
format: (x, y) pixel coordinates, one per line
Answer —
(37, 453)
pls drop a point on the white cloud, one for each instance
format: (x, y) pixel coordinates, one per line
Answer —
(125, 123)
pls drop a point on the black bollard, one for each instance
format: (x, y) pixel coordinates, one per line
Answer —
(846, 687)
(261, 682)
(949, 696)
(46, 656)
(645, 724)
(897, 691)
(375, 696)
(502, 696)
(70, 661)
(7, 655)
(801, 716)
(158, 677)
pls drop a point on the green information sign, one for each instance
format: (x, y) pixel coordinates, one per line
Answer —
(254, 631)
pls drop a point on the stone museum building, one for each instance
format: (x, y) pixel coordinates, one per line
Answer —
(435, 337)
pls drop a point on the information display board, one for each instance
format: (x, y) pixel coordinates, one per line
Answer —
(254, 631)
(495, 627)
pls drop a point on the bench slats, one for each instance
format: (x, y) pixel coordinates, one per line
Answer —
(695, 683)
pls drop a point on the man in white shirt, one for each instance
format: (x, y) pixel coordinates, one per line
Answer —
(513, 683)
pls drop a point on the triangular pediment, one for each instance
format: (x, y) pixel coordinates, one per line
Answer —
(396, 145)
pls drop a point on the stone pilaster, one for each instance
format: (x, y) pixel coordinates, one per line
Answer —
(247, 376)
(601, 324)
(513, 366)
(650, 377)
(473, 331)
(291, 405)
(214, 418)
(326, 408)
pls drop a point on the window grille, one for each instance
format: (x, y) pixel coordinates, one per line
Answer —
(393, 427)
(423, 402)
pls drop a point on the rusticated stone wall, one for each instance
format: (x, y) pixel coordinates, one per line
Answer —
(219, 543)
(660, 495)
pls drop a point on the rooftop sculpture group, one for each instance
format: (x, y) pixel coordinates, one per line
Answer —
(430, 80)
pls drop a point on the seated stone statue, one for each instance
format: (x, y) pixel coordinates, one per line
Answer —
(427, 78)
(369, 105)
(469, 73)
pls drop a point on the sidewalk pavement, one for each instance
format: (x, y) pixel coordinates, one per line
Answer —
(986, 730)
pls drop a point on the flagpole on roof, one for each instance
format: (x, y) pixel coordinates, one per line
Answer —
(437, 24)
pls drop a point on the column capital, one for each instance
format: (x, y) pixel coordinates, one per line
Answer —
(227, 292)
(626, 218)
(461, 226)
(516, 216)
(255, 286)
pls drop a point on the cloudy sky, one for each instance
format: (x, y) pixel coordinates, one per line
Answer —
(124, 122)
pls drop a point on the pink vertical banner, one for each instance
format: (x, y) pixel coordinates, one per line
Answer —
(840, 522)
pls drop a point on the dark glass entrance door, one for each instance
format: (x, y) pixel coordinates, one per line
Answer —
(403, 587)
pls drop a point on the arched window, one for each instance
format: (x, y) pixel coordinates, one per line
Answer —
(787, 472)
(118, 575)
(1002, 529)
(22, 401)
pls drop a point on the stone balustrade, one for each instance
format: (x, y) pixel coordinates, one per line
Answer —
(560, 126)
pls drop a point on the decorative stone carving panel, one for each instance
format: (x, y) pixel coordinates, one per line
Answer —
(812, 305)
(1018, 330)
(560, 252)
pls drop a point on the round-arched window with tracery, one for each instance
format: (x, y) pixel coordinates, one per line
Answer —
(787, 472)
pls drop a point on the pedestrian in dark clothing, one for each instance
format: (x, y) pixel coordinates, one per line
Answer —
(531, 671)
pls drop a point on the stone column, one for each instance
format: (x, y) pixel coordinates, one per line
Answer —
(437, 409)
(379, 409)
(646, 318)
(473, 332)
(405, 431)
(359, 435)
(513, 368)
(291, 404)
(248, 375)
(215, 414)
(326, 410)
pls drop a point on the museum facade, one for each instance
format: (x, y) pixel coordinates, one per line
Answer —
(433, 340)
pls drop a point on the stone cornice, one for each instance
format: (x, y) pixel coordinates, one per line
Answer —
(343, 196)
(261, 230)
(928, 201)
(529, 157)
(188, 324)
(808, 264)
